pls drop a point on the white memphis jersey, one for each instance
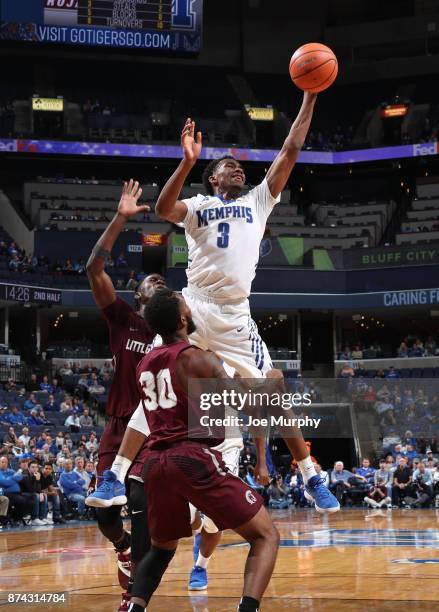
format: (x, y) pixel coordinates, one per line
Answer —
(223, 240)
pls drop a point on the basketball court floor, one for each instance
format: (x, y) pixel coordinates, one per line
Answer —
(354, 560)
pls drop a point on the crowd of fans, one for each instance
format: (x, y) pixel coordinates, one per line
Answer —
(411, 346)
(49, 445)
(399, 480)
(19, 261)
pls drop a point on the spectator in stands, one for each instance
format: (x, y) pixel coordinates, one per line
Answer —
(345, 354)
(25, 437)
(55, 387)
(419, 495)
(34, 419)
(421, 473)
(322, 473)
(66, 370)
(64, 453)
(80, 469)
(417, 349)
(66, 404)
(430, 346)
(357, 353)
(248, 459)
(33, 385)
(278, 495)
(3, 415)
(52, 492)
(77, 406)
(92, 445)
(31, 487)
(121, 261)
(403, 350)
(384, 473)
(132, 282)
(72, 421)
(94, 386)
(340, 480)
(378, 495)
(4, 505)
(402, 479)
(392, 373)
(10, 438)
(85, 419)
(73, 486)
(59, 439)
(31, 402)
(9, 482)
(347, 371)
(52, 405)
(16, 417)
(46, 386)
(366, 471)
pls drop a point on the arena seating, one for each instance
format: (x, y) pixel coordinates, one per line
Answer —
(422, 223)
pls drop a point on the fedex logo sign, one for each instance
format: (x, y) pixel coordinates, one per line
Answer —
(8, 146)
(430, 148)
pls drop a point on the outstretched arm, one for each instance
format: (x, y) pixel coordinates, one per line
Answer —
(168, 205)
(100, 283)
(280, 170)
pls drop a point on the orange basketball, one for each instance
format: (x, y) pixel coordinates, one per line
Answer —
(313, 67)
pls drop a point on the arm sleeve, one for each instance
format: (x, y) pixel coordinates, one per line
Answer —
(265, 202)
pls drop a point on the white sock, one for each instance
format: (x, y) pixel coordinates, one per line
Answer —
(197, 531)
(307, 468)
(120, 467)
(202, 561)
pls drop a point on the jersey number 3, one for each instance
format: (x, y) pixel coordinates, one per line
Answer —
(158, 390)
(223, 238)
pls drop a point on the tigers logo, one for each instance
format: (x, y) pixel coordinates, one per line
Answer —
(250, 497)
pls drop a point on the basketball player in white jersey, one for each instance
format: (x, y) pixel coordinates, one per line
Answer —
(224, 230)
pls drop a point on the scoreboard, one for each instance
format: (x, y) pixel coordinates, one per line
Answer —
(160, 25)
(140, 14)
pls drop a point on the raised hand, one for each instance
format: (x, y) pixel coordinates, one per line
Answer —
(131, 193)
(191, 145)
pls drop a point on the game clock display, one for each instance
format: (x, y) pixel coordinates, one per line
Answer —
(159, 25)
(24, 294)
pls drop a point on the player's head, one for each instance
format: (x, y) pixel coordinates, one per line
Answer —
(224, 176)
(148, 287)
(168, 315)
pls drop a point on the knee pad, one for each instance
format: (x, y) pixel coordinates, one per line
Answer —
(110, 522)
(209, 525)
(140, 540)
(149, 572)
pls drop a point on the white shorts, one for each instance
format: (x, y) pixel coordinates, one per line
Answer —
(229, 331)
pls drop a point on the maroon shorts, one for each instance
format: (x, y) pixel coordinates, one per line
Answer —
(110, 442)
(136, 470)
(194, 473)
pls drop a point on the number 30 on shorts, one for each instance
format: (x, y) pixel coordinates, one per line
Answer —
(160, 386)
(223, 238)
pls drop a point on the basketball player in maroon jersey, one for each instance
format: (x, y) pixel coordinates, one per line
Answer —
(179, 469)
(130, 339)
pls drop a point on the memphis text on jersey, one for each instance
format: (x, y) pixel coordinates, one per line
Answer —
(224, 212)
